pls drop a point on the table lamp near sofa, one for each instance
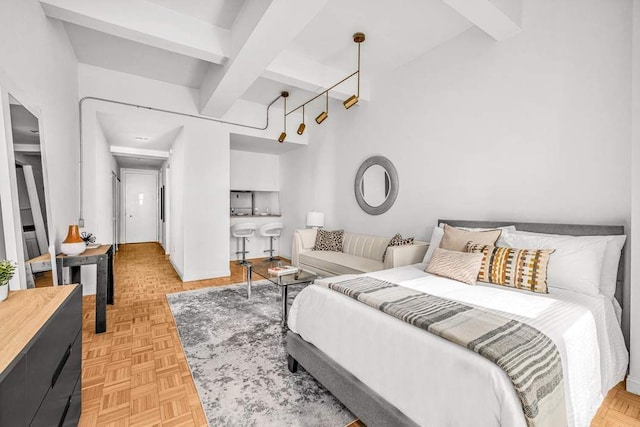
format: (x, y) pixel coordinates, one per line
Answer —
(315, 220)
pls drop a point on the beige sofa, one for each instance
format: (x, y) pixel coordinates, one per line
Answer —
(361, 254)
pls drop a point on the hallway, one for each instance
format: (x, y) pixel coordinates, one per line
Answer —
(136, 373)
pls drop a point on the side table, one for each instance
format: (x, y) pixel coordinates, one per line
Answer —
(102, 257)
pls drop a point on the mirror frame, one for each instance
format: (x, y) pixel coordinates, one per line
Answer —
(393, 185)
(11, 211)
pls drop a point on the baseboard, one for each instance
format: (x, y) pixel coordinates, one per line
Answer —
(633, 385)
(205, 276)
(175, 267)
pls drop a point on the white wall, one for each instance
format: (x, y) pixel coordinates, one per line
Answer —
(255, 171)
(633, 381)
(199, 167)
(176, 167)
(38, 66)
(533, 128)
(98, 165)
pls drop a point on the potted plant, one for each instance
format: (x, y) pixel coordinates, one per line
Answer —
(7, 269)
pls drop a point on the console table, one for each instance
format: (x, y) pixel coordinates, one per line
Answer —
(102, 257)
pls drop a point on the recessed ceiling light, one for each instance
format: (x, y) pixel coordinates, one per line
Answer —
(142, 139)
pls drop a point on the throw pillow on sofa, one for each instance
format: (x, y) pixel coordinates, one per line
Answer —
(329, 240)
(397, 240)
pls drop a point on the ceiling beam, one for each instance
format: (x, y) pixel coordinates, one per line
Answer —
(500, 19)
(138, 152)
(261, 31)
(146, 23)
(296, 70)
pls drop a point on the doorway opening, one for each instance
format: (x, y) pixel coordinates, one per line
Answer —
(141, 206)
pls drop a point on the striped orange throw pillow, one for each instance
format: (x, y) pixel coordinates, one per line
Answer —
(516, 268)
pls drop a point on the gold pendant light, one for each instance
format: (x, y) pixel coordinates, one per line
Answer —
(283, 135)
(348, 103)
(302, 125)
(322, 116)
(353, 99)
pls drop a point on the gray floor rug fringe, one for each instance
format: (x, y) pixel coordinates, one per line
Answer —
(236, 351)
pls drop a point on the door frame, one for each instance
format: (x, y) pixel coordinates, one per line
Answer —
(123, 198)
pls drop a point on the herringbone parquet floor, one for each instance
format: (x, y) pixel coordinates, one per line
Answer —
(136, 373)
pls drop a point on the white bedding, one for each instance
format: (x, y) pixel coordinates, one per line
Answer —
(436, 382)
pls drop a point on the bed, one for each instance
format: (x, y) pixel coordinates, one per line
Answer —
(390, 373)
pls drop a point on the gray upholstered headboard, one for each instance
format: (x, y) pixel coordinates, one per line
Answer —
(569, 229)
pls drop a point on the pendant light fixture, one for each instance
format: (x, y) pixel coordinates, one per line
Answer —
(302, 125)
(322, 116)
(283, 135)
(353, 99)
(348, 103)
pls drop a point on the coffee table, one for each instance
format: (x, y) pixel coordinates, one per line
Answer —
(261, 268)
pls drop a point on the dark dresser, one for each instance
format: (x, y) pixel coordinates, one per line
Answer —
(41, 357)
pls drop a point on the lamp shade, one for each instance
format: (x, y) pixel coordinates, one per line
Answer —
(315, 219)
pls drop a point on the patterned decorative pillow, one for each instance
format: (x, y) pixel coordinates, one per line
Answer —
(455, 239)
(516, 268)
(460, 266)
(397, 240)
(329, 240)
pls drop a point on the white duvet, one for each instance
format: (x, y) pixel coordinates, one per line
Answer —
(435, 382)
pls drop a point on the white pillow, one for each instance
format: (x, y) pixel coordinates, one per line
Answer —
(613, 251)
(434, 243)
(576, 264)
(438, 233)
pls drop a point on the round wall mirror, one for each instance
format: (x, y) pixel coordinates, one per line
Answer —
(376, 185)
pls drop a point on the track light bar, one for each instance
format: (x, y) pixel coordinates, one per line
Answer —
(348, 103)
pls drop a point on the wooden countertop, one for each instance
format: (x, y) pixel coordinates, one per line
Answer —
(100, 250)
(23, 314)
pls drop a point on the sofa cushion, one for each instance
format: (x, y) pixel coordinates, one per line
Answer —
(364, 245)
(339, 262)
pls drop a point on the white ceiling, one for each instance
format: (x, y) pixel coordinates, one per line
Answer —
(166, 40)
(221, 13)
(139, 163)
(260, 145)
(264, 90)
(396, 32)
(23, 125)
(122, 129)
(118, 54)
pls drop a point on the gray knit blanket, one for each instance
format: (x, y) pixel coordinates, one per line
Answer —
(529, 358)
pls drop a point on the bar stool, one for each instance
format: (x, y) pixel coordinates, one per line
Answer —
(271, 231)
(243, 231)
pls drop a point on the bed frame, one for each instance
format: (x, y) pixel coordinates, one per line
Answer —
(365, 403)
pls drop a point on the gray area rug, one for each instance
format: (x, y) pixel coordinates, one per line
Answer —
(236, 351)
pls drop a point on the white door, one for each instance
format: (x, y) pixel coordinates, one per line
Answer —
(141, 206)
